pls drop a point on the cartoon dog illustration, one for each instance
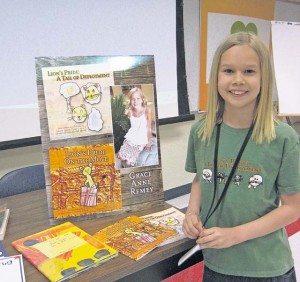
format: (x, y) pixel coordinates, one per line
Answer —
(255, 181)
(221, 177)
(207, 175)
(237, 180)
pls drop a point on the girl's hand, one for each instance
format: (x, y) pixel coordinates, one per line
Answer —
(218, 238)
(192, 226)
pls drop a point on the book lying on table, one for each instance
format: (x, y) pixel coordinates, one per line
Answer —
(12, 269)
(170, 217)
(63, 251)
(4, 215)
(134, 236)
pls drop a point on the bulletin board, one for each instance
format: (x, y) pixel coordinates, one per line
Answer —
(221, 18)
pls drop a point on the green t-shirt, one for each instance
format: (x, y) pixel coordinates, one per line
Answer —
(265, 171)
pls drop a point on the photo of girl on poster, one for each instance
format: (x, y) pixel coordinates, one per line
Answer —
(134, 125)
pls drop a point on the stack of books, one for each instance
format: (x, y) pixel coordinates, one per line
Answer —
(136, 236)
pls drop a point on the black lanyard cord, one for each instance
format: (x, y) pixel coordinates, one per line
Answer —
(235, 165)
(215, 173)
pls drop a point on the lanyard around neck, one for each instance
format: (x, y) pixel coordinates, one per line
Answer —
(236, 163)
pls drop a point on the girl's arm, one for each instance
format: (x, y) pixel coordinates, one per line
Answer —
(192, 225)
(288, 212)
(149, 128)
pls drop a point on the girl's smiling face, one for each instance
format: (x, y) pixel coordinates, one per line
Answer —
(239, 78)
(136, 100)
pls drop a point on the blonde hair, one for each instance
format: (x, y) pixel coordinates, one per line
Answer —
(264, 128)
(139, 91)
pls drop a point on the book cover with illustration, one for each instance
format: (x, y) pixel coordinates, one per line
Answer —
(172, 218)
(63, 251)
(84, 180)
(95, 101)
(133, 236)
(77, 101)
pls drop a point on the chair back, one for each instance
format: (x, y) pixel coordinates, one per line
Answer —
(22, 180)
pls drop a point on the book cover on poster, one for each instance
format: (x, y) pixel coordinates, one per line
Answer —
(63, 251)
(77, 101)
(107, 102)
(134, 237)
(84, 180)
(172, 218)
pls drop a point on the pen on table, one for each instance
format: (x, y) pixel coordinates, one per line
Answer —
(188, 254)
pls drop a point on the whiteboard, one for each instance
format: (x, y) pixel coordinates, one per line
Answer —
(38, 28)
(286, 56)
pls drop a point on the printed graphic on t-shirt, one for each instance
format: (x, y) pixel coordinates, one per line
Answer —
(207, 175)
(255, 181)
(224, 168)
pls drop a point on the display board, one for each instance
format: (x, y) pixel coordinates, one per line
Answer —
(100, 139)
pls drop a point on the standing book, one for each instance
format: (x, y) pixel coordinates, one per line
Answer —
(4, 215)
(134, 237)
(2, 251)
(63, 251)
(171, 218)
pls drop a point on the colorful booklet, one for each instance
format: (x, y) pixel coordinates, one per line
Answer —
(172, 218)
(63, 251)
(12, 269)
(4, 215)
(134, 237)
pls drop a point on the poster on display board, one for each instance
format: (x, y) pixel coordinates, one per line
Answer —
(100, 139)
